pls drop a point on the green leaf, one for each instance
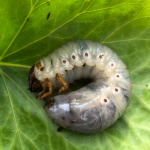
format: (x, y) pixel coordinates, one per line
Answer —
(27, 34)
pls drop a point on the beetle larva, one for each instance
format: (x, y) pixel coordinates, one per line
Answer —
(95, 106)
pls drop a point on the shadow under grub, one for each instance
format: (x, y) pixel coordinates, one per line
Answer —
(77, 84)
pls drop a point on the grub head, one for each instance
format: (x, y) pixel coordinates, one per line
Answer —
(34, 84)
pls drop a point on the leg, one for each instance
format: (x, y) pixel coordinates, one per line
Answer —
(50, 88)
(43, 93)
(62, 80)
(44, 90)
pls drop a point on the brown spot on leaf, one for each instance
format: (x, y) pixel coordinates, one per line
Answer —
(59, 129)
(34, 113)
(48, 15)
(48, 3)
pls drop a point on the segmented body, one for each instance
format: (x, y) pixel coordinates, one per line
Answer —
(100, 103)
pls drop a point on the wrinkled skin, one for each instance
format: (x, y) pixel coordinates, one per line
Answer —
(34, 84)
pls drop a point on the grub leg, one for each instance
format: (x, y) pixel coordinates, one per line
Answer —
(41, 93)
(50, 87)
(44, 94)
(62, 80)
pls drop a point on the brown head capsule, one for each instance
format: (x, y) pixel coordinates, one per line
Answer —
(34, 84)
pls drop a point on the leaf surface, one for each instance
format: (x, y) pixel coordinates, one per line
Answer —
(32, 29)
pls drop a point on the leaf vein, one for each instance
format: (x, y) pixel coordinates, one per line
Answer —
(11, 104)
(16, 34)
(29, 99)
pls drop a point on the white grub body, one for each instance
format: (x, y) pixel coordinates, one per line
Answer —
(100, 103)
